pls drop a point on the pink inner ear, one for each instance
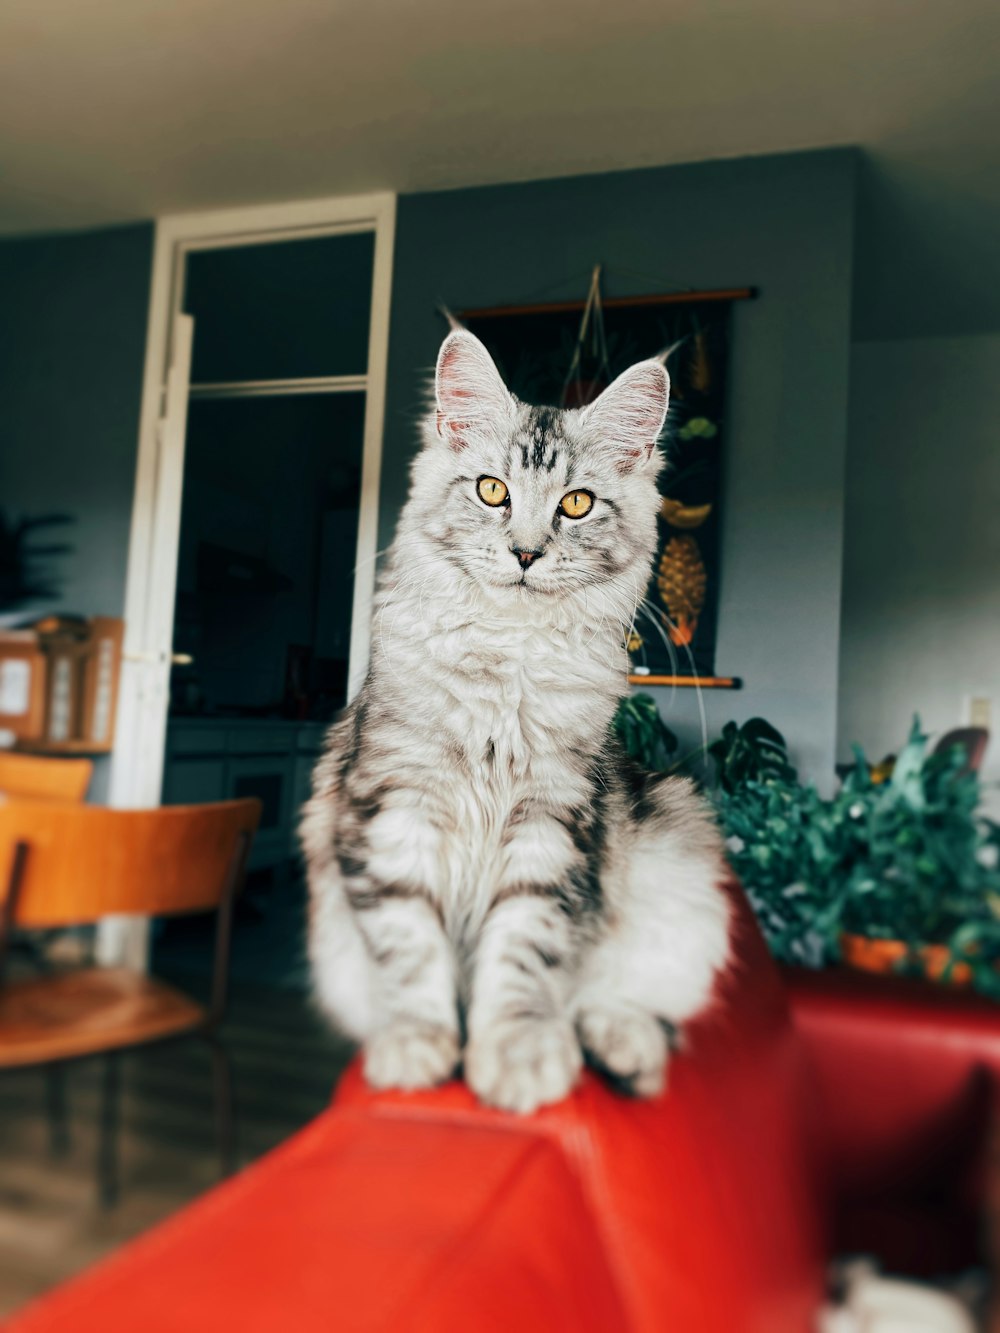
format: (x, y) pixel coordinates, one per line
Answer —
(628, 458)
(458, 391)
(453, 394)
(470, 393)
(647, 406)
(451, 385)
(630, 412)
(451, 430)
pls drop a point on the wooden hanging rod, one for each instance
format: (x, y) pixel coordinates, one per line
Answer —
(702, 682)
(611, 303)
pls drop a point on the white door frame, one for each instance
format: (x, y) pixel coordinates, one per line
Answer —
(138, 757)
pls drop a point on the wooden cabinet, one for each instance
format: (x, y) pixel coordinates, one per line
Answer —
(213, 760)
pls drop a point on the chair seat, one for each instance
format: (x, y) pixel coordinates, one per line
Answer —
(84, 1012)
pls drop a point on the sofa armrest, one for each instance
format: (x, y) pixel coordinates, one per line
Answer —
(899, 1020)
(901, 1066)
(906, 1075)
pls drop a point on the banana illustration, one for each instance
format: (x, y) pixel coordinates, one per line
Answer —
(683, 516)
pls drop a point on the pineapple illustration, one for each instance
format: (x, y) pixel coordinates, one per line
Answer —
(681, 579)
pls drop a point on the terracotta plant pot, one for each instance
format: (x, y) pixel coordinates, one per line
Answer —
(870, 955)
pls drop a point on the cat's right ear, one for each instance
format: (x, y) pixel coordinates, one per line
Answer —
(629, 415)
(467, 386)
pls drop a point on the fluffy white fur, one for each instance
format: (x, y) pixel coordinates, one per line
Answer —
(488, 882)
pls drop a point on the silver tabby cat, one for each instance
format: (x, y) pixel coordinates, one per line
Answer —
(491, 881)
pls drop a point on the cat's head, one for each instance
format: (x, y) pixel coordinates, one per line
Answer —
(537, 500)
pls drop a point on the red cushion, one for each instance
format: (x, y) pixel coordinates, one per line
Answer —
(905, 1073)
(694, 1213)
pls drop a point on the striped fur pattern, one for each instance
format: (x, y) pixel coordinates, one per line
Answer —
(492, 882)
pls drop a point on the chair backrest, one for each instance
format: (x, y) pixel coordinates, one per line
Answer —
(973, 741)
(48, 778)
(72, 864)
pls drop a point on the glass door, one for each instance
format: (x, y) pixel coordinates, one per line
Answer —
(266, 553)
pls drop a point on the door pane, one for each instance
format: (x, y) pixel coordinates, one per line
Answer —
(281, 310)
(265, 575)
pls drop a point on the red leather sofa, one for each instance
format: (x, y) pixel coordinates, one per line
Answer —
(807, 1114)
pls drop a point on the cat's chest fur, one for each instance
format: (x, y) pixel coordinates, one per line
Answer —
(522, 700)
(510, 716)
(521, 728)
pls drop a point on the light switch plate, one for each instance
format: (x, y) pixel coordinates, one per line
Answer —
(979, 711)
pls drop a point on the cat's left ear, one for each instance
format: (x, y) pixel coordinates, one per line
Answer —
(629, 415)
(467, 385)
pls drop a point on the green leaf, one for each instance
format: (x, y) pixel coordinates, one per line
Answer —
(908, 859)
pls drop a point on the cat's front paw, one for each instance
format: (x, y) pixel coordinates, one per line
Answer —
(410, 1055)
(524, 1064)
(629, 1044)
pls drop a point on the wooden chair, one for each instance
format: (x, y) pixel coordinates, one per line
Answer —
(44, 778)
(48, 778)
(973, 741)
(65, 864)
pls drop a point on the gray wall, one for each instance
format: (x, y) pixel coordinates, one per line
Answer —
(784, 224)
(921, 622)
(72, 339)
(71, 347)
(72, 342)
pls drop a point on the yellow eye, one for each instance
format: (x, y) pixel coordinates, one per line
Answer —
(491, 491)
(576, 504)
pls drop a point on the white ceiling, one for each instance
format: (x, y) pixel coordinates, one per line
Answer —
(112, 110)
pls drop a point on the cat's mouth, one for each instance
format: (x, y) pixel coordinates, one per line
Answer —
(522, 585)
(535, 588)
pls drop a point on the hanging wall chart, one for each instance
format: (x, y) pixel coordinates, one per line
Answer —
(566, 353)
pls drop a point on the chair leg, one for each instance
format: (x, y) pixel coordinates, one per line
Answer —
(55, 1097)
(107, 1145)
(225, 1117)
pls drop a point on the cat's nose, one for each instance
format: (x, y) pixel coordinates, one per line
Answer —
(526, 557)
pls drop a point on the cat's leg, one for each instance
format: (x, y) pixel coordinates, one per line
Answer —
(522, 1050)
(374, 905)
(624, 1041)
(338, 958)
(414, 1042)
(384, 973)
(663, 940)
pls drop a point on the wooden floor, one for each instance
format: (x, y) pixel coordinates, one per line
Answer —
(285, 1065)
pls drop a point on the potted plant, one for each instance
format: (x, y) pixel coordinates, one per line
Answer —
(643, 732)
(936, 908)
(897, 871)
(22, 579)
(755, 750)
(894, 875)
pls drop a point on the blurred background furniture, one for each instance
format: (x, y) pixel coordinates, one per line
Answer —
(805, 1112)
(49, 777)
(220, 758)
(69, 864)
(35, 777)
(60, 683)
(973, 741)
(905, 1077)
